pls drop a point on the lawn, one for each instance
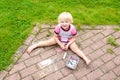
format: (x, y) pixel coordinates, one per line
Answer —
(17, 18)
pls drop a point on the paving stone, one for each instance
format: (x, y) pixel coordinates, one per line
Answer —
(9, 67)
(105, 47)
(85, 27)
(17, 67)
(36, 29)
(96, 54)
(118, 41)
(86, 43)
(37, 51)
(84, 78)
(3, 74)
(97, 45)
(44, 63)
(95, 75)
(117, 51)
(35, 40)
(16, 57)
(117, 60)
(105, 40)
(79, 39)
(24, 57)
(96, 64)
(28, 71)
(87, 35)
(118, 78)
(69, 77)
(97, 37)
(42, 39)
(81, 32)
(81, 72)
(66, 71)
(60, 64)
(58, 56)
(38, 75)
(107, 57)
(29, 40)
(48, 53)
(116, 34)
(97, 31)
(44, 26)
(117, 71)
(108, 66)
(28, 78)
(55, 76)
(42, 35)
(41, 74)
(15, 76)
(108, 32)
(32, 60)
(53, 68)
(87, 50)
(21, 49)
(82, 64)
(108, 76)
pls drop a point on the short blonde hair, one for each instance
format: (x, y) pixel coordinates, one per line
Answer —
(65, 16)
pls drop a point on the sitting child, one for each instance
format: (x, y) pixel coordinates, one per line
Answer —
(65, 36)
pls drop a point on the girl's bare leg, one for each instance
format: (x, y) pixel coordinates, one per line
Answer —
(75, 49)
(42, 44)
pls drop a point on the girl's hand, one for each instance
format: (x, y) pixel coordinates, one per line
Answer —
(66, 47)
(62, 46)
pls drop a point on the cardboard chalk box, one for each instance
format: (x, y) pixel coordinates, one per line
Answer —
(72, 62)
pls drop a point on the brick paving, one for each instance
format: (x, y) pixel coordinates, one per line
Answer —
(93, 42)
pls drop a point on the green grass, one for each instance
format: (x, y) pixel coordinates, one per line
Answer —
(18, 16)
(109, 50)
(112, 41)
(117, 29)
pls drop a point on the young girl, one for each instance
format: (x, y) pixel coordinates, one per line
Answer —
(65, 36)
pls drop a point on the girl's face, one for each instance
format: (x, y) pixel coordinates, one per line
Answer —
(65, 24)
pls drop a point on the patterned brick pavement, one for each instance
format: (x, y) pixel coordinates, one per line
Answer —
(46, 63)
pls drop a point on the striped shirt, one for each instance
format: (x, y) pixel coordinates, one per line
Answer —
(65, 36)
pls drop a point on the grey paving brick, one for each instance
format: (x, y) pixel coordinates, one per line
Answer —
(108, 76)
(3, 74)
(69, 77)
(95, 75)
(108, 66)
(117, 70)
(15, 76)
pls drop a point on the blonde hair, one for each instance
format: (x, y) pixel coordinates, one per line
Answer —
(65, 16)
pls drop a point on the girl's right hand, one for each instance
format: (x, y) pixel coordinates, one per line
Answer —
(62, 47)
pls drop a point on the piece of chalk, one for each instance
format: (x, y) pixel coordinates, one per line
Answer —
(65, 54)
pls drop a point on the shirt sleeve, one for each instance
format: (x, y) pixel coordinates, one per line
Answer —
(57, 30)
(74, 32)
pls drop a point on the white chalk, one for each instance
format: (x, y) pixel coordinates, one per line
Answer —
(65, 54)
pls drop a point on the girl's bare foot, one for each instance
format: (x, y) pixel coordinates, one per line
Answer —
(29, 50)
(88, 61)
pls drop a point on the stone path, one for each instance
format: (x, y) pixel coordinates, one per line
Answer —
(93, 42)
